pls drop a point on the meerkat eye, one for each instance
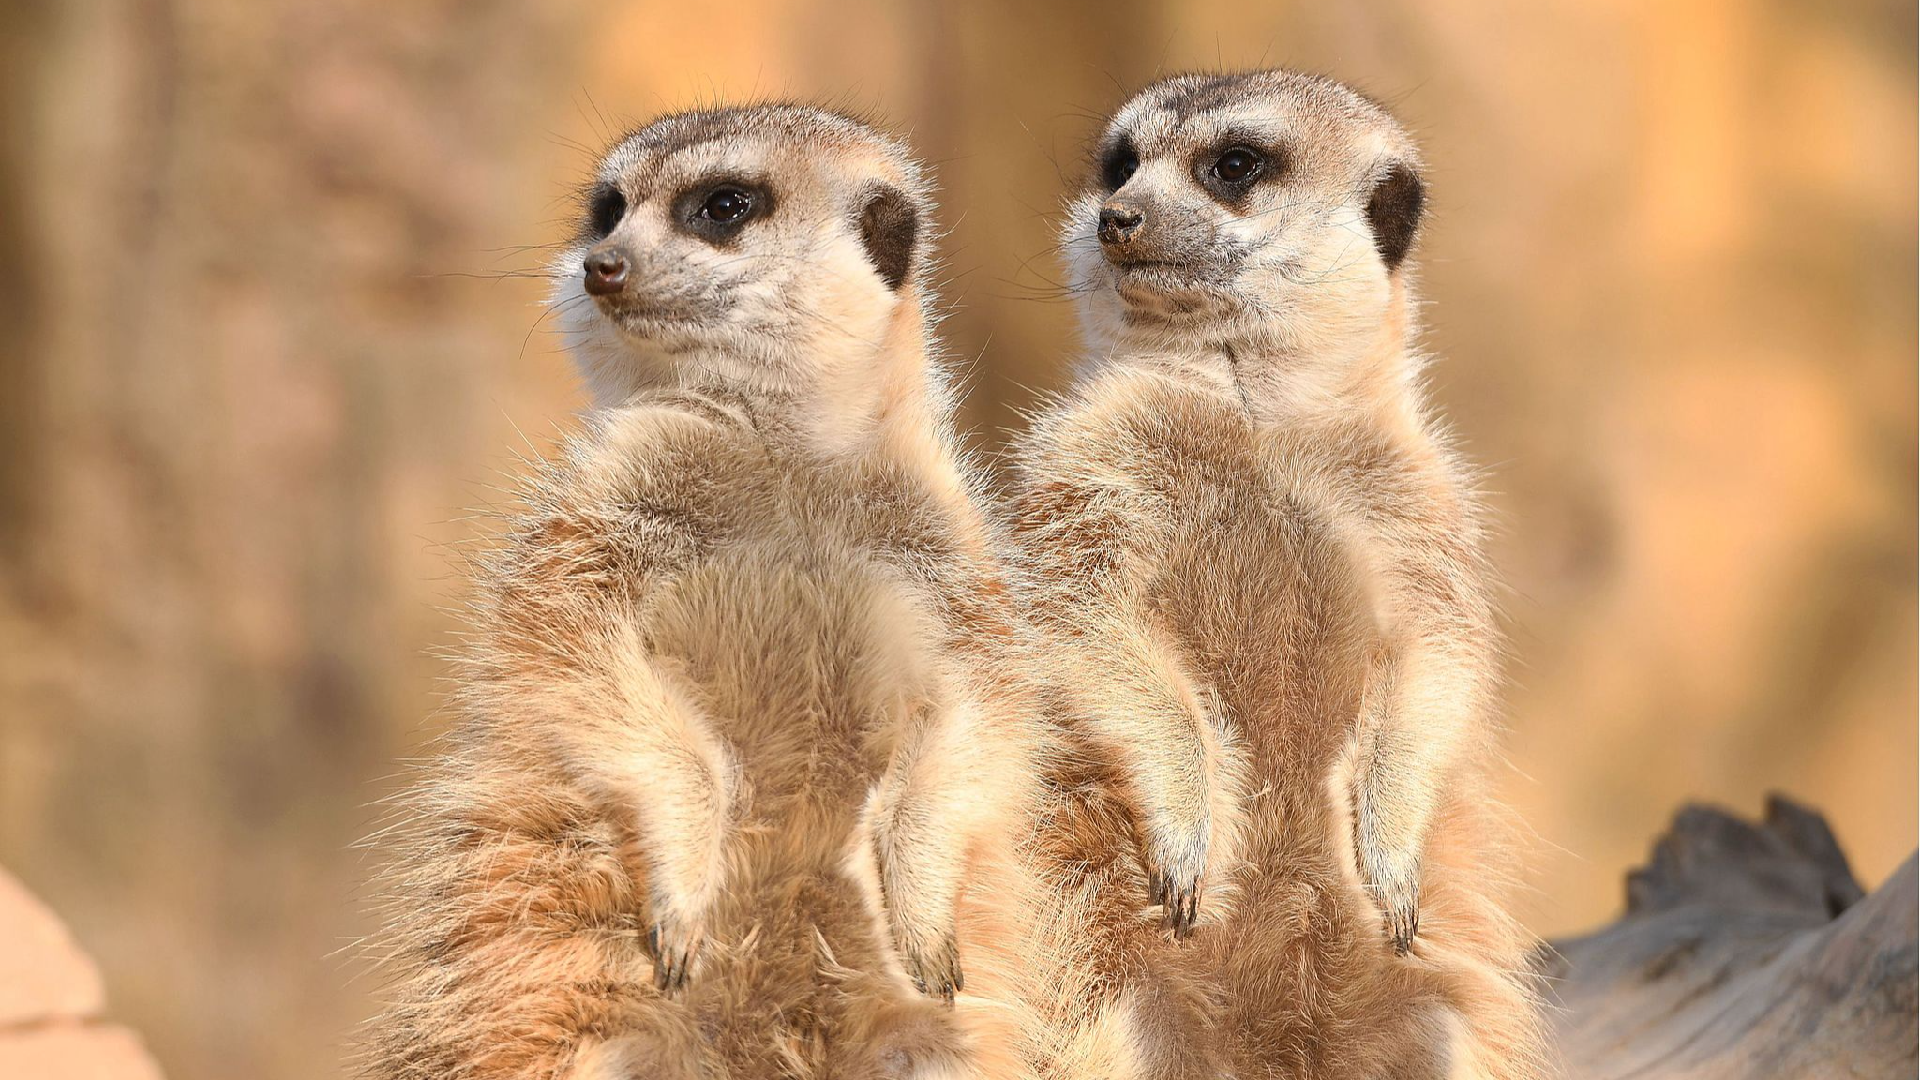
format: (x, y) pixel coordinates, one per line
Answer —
(1238, 165)
(1121, 163)
(726, 205)
(717, 210)
(605, 207)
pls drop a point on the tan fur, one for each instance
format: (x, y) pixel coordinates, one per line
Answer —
(1258, 558)
(737, 752)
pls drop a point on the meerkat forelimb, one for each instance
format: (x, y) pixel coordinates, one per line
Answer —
(1156, 719)
(1429, 688)
(636, 738)
(918, 815)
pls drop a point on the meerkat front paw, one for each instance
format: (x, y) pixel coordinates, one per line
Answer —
(1393, 880)
(1175, 861)
(934, 965)
(674, 944)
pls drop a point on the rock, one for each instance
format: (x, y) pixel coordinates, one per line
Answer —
(43, 974)
(73, 1051)
(51, 1002)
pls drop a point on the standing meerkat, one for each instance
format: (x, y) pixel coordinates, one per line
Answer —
(733, 725)
(1258, 545)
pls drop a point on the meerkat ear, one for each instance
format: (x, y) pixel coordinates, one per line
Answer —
(890, 231)
(1394, 212)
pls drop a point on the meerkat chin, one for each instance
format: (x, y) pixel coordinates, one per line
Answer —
(735, 714)
(1260, 545)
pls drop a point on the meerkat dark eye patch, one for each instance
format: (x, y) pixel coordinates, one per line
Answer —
(1119, 164)
(889, 229)
(716, 211)
(1394, 212)
(605, 207)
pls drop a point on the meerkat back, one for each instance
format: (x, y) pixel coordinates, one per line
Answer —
(1266, 555)
(735, 740)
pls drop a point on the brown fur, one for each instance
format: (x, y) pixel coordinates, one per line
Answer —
(1258, 562)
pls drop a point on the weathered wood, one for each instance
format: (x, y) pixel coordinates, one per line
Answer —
(1747, 950)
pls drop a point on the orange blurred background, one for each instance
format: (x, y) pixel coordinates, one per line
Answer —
(260, 362)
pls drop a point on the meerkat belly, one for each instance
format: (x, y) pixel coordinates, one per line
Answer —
(808, 656)
(1267, 606)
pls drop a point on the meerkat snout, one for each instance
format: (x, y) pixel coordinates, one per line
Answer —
(606, 271)
(1118, 222)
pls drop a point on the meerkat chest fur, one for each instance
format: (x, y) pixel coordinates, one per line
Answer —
(1232, 538)
(804, 597)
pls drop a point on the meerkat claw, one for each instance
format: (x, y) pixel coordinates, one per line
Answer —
(936, 974)
(1395, 888)
(1173, 881)
(673, 951)
(1183, 908)
(1180, 899)
(1402, 925)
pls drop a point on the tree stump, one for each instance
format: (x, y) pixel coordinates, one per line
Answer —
(1747, 951)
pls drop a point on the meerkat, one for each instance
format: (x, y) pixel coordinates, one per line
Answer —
(734, 741)
(1260, 558)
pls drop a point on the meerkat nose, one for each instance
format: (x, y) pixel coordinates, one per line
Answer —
(1118, 223)
(606, 272)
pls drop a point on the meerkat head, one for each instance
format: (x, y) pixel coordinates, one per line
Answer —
(764, 247)
(1270, 207)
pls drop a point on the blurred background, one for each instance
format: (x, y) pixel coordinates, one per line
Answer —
(261, 363)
